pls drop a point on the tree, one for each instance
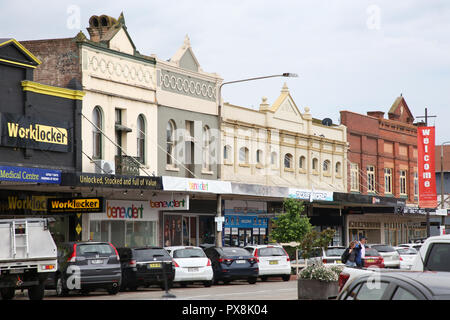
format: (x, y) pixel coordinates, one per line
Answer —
(315, 239)
(293, 224)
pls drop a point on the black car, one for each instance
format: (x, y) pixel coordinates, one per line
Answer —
(232, 263)
(146, 266)
(86, 266)
(400, 285)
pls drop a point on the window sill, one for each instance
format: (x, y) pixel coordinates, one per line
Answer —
(327, 175)
(228, 163)
(288, 170)
(207, 172)
(302, 171)
(172, 168)
(244, 165)
(259, 166)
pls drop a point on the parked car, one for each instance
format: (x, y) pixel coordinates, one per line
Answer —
(272, 260)
(146, 266)
(373, 259)
(232, 263)
(86, 266)
(407, 256)
(332, 255)
(191, 265)
(389, 254)
(411, 245)
(399, 285)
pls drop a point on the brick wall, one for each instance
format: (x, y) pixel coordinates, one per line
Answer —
(367, 136)
(60, 60)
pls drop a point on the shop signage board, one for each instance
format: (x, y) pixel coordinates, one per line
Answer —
(245, 221)
(32, 175)
(196, 185)
(426, 167)
(111, 181)
(75, 205)
(311, 195)
(126, 210)
(168, 202)
(22, 131)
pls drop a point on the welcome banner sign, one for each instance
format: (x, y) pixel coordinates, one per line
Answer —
(426, 167)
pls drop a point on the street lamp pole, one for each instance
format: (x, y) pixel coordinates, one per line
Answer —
(219, 168)
(442, 181)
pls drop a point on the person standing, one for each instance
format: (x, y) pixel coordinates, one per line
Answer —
(351, 253)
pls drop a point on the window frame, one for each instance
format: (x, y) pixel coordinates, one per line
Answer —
(97, 136)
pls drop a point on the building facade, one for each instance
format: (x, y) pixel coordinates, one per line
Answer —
(383, 163)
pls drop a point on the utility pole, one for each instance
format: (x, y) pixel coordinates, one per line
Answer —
(427, 210)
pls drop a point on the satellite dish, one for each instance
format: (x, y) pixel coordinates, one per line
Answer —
(327, 122)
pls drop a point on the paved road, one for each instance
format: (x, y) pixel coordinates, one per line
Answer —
(273, 289)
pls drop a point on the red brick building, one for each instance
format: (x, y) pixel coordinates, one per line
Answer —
(382, 161)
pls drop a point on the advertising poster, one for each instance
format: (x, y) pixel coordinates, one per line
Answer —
(426, 158)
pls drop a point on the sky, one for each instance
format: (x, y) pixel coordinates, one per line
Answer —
(354, 55)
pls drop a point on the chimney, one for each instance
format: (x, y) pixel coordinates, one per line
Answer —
(98, 26)
(376, 114)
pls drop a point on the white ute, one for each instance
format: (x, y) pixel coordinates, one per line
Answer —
(27, 255)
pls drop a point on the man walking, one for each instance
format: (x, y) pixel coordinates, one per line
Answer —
(361, 251)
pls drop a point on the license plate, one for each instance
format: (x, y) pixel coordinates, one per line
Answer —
(273, 262)
(240, 261)
(192, 269)
(370, 260)
(155, 265)
(15, 271)
(338, 261)
(97, 261)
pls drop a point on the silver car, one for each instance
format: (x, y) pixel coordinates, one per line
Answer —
(390, 255)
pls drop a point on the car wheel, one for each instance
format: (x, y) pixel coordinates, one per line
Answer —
(208, 284)
(226, 281)
(264, 278)
(114, 290)
(183, 284)
(85, 292)
(36, 292)
(8, 293)
(61, 290)
(252, 280)
(286, 277)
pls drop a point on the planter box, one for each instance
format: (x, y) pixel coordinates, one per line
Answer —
(317, 290)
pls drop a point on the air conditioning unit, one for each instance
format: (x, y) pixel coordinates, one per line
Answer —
(104, 167)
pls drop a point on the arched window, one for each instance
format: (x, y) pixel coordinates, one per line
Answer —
(259, 157)
(243, 155)
(170, 133)
(141, 133)
(326, 166)
(301, 163)
(273, 159)
(288, 160)
(315, 165)
(338, 168)
(97, 120)
(206, 143)
(227, 153)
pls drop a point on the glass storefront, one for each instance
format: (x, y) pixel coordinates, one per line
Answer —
(188, 229)
(125, 233)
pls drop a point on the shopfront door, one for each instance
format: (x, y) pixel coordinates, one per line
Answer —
(245, 237)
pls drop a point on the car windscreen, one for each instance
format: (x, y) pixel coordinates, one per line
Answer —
(382, 248)
(91, 249)
(268, 252)
(150, 254)
(334, 252)
(235, 251)
(372, 252)
(407, 251)
(189, 253)
(438, 258)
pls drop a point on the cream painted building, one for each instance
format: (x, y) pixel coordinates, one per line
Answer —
(278, 145)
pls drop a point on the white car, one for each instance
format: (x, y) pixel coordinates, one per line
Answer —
(191, 265)
(273, 261)
(407, 256)
(415, 245)
(390, 255)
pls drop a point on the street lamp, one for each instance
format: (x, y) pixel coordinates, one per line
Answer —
(442, 181)
(219, 196)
